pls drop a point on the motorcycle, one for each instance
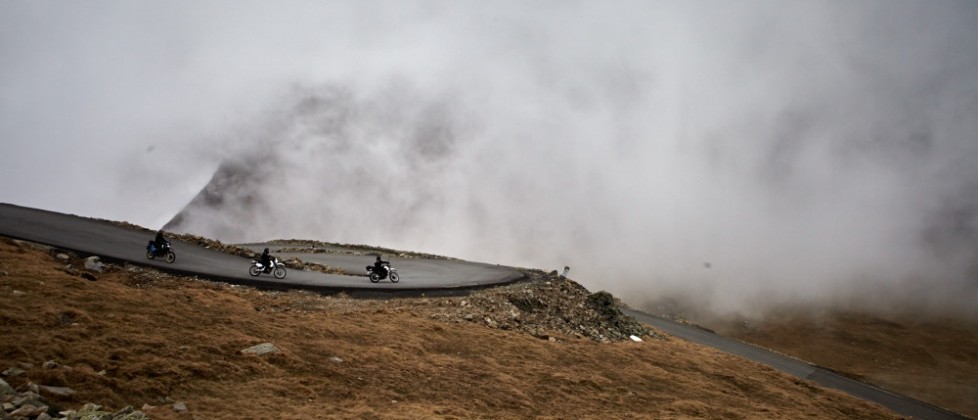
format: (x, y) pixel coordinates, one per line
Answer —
(386, 272)
(275, 268)
(152, 251)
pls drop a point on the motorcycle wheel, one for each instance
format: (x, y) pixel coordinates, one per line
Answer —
(279, 272)
(149, 254)
(374, 277)
(254, 270)
(170, 257)
(394, 278)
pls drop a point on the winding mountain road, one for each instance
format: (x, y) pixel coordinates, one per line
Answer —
(114, 242)
(418, 275)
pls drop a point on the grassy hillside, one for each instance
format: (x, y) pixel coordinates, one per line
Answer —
(134, 336)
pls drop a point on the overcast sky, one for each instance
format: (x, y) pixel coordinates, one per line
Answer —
(737, 151)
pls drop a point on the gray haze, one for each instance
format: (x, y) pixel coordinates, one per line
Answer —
(741, 154)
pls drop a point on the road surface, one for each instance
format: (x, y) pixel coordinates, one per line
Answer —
(113, 242)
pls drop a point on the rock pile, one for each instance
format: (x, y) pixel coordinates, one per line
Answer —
(27, 403)
(544, 306)
(86, 268)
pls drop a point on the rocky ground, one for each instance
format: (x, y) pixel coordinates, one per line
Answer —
(77, 332)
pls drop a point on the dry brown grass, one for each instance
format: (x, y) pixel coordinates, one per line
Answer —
(934, 359)
(160, 339)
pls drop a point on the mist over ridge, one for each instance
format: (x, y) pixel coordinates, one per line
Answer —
(740, 155)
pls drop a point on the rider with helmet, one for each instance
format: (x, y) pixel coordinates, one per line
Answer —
(380, 266)
(266, 261)
(157, 243)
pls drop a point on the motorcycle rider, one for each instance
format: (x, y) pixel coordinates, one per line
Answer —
(266, 261)
(380, 266)
(158, 241)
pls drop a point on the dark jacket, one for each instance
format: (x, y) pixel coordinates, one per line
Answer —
(379, 265)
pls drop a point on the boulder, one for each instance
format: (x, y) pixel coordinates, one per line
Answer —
(93, 264)
(260, 349)
(5, 388)
(57, 391)
(13, 371)
(88, 411)
(28, 411)
(129, 413)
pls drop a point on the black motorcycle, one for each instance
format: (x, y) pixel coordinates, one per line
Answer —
(384, 272)
(153, 251)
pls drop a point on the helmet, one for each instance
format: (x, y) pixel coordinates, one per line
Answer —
(266, 250)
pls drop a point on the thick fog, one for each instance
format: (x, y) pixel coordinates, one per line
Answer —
(739, 155)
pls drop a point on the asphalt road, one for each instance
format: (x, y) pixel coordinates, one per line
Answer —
(112, 242)
(429, 276)
(417, 272)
